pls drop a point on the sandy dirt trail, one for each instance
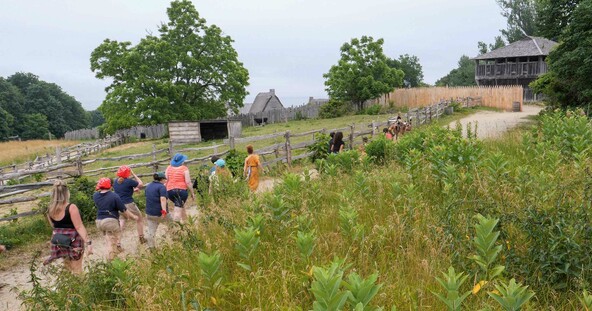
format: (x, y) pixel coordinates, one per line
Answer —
(490, 125)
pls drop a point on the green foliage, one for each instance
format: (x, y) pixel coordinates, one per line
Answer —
(247, 241)
(521, 17)
(361, 73)
(512, 295)
(320, 147)
(81, 194)
(451, 283)
(569, 80)
(25, 231)
(485, 244)
(463, 75)
(372, 110)
(34, 126)
(210, 268)
(586, 300)
(409, 64)
(326, 287)
(485, 48)
(334, 109)
(380, 150)
(305, 240)
(362, 290)
(235, 162)
(189, 64)
(554, 16)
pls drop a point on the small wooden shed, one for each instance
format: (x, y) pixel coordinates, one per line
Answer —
(193, 132)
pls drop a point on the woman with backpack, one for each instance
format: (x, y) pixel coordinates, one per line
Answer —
(69, 234)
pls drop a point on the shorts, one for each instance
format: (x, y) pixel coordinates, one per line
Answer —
(178, 196)
(109, 227)
(133, 208)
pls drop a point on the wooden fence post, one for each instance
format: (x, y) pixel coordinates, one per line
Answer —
(351, 136)
(59, 160)
(171, 149)
(155, 165)
(373, 128)
(288, 148)
(231, 142)
(79, 166)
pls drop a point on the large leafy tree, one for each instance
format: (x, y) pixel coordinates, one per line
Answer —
(485, 48)
(189, 71)
(553, 16)
(463, 75)
(362, 73)
(521, 16)
(409, 64)
(569, 80)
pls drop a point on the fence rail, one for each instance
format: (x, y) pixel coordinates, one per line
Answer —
(282, 152)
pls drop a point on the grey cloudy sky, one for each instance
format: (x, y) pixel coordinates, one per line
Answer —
(286, 45)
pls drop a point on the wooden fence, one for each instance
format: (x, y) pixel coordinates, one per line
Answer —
(501, 97)
(287, 148)
(140, 132)
(308, 111)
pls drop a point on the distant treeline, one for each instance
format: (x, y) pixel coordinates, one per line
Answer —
(34, 109)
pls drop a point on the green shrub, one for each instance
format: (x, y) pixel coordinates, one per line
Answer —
(334, 109)
(235, 162)
(380, 149)
(81, 194)
(372, 110)
(320, 147)
(25, 231)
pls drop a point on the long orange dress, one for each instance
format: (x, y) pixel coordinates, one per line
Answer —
(253, 164)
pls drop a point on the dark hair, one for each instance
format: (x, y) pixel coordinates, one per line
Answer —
(332, 134)
(158, 177)
(338, 137)
(214, 159)
(384, 130)
(365, 139)
(249, 149)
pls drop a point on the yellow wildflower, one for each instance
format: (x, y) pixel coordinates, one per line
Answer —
(478, 287)
(214, 301)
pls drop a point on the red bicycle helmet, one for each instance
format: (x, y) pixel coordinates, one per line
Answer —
(104, 184)
(124, 171)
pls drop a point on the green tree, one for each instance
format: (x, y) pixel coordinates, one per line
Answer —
(553, 16)
(6, 123)
(521, 18)
(34, 126)
(362, 73)
(463, 75)
(96, 118)
(569, 80)
(486, 48)
(190, 71)
(411, 67)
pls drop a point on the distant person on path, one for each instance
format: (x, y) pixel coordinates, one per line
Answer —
(213, 159)
(387, 134)
(69, 234)
(252, 168)
(156, 205)
(338, 143)
(221, 173)
(125, 188)
(179, 186)
(201, 183)
(109, 205)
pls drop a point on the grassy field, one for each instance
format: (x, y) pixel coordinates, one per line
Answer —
(23, 151)
(379, 233)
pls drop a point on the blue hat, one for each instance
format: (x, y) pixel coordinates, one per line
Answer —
(178, 159)
(220, 163)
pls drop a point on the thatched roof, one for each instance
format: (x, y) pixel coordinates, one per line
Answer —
(529, 46)
(262, 101)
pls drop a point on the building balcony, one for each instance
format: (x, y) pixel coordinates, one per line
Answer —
(528, 70)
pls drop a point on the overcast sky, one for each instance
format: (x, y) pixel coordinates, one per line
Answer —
(286, 45)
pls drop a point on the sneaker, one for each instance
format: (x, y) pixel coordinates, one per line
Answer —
(142, 240)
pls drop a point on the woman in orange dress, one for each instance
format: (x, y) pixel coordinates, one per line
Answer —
(252, 169)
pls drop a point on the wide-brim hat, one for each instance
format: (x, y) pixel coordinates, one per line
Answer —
(178, 159)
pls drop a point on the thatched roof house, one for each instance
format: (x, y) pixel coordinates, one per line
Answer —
(264, 101)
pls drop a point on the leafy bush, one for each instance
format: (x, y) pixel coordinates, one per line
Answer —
(320, 147)
(235, 161)
(81, 194)
(379, 150)
(372, 110)
(334, 109)
(25, 231)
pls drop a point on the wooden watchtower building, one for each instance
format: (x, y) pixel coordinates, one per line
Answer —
(518, 63)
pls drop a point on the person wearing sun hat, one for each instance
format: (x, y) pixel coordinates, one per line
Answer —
(124, 186)
(221, 172)
(156, 205)
(109, 205)
(179, 185)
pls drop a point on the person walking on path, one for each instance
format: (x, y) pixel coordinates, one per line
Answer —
(252, 168)
(156, 205)
(124, 186)
(69, 234)
(109, 205)
(179, 186)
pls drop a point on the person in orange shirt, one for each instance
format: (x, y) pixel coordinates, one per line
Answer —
(179, 186)
(252, 168)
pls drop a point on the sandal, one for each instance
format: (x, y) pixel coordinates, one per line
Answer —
(142, 240)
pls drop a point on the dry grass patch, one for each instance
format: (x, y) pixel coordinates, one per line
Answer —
(21, 151)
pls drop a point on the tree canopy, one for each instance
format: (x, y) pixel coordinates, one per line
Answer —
(569, 80)
(463, 75)
(521, 16)
(553, 16)
(409, 64)
(32, 108)
(485, 48)
(362, 72)
(189, 71)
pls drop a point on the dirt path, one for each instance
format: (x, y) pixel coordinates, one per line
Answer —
(491, 124)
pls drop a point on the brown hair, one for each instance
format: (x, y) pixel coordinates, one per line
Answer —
(60, 195)
(250, 149)
(120, 180)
